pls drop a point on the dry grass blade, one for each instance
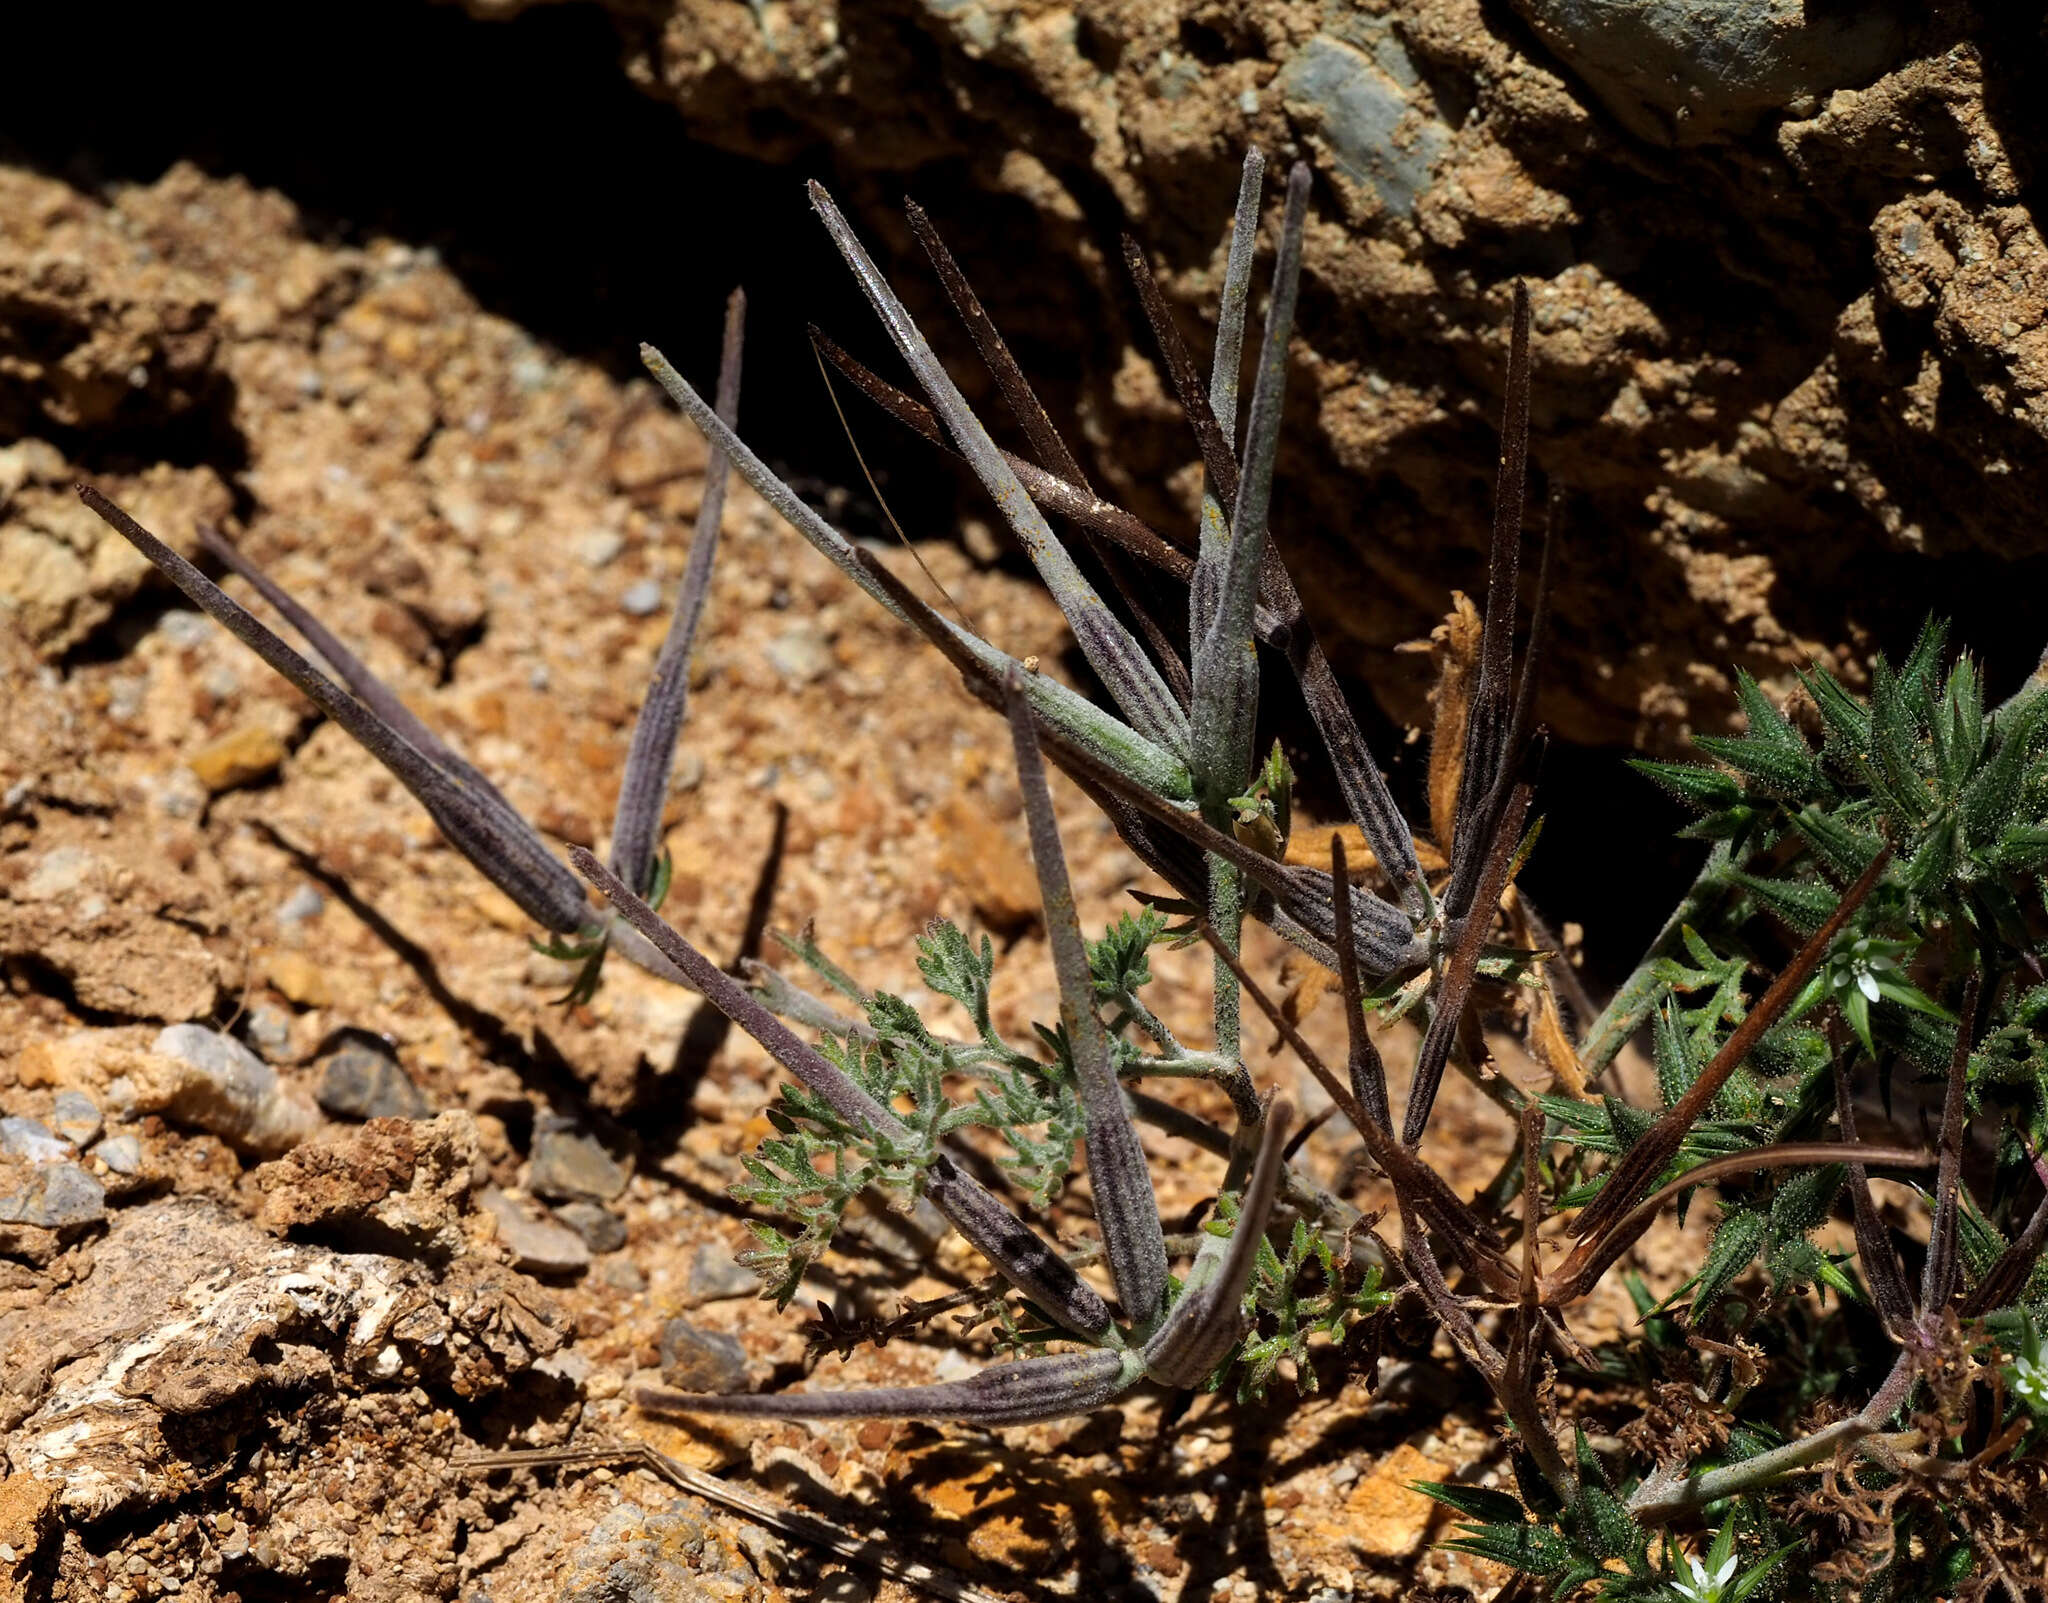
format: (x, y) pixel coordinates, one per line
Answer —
(1939, 1273)
(1486, 724)
(1630, 1178)
(1882, 1271)
(1463, 968)
(651, 757)
(1368, 1070)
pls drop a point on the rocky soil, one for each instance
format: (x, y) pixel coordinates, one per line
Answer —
(310, 1188)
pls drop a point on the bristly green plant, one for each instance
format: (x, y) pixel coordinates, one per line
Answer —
(1900, 842)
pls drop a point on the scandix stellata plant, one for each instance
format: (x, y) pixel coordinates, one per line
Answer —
(1901, 841)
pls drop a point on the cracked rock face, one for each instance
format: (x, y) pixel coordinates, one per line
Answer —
(194, 1324)
(1786, 429)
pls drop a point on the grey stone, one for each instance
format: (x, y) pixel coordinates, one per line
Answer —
(57, 1196)
(601, 1229)
(227, 1091)
(643, 599)
(570, 1166)
(359, 1082)
(715, 1276)
(1379, 138)
(1684, 72)
(270, 1031)
(120, 1153)
(77, 1118)
(32, 1140)
(620, 1273)
(302, 904)
(538, 1245)
(701, 1360)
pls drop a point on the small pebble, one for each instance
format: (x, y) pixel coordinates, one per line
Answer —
(237, 758)
(230, 1092)
(845, 1586)
(57, 1196)
(643, 599)
(600, 547)
(716, 1275)
(32, 1139)
(571, 1166)
(359, 1082)
(799, 655)
(120, 1153)
(620, 1273)
(701, 1360)
(302, 904)
(601, 1229)
(270, 1031)
(77, 1119)
(538, 1246)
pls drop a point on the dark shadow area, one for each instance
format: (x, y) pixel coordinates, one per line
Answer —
(567, 201)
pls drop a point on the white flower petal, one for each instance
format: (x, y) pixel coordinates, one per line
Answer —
(1866, 982)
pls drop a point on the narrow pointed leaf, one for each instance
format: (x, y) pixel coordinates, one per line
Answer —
(650, 759)
(1237, 288)
(1386, 941)
(1940, 1272)
(1136, 684)
(1638, 1170)
(1368, 1071)
(1463, 967)
(1124, 1204)
(1046, 443)
(502, 845)
(1208, 1320)
(1018, 1393)
(1143, 760)
(1226, 665)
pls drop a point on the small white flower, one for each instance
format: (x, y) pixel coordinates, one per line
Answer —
(1705, 1587)
(2030, 1382)
(1864, 960)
